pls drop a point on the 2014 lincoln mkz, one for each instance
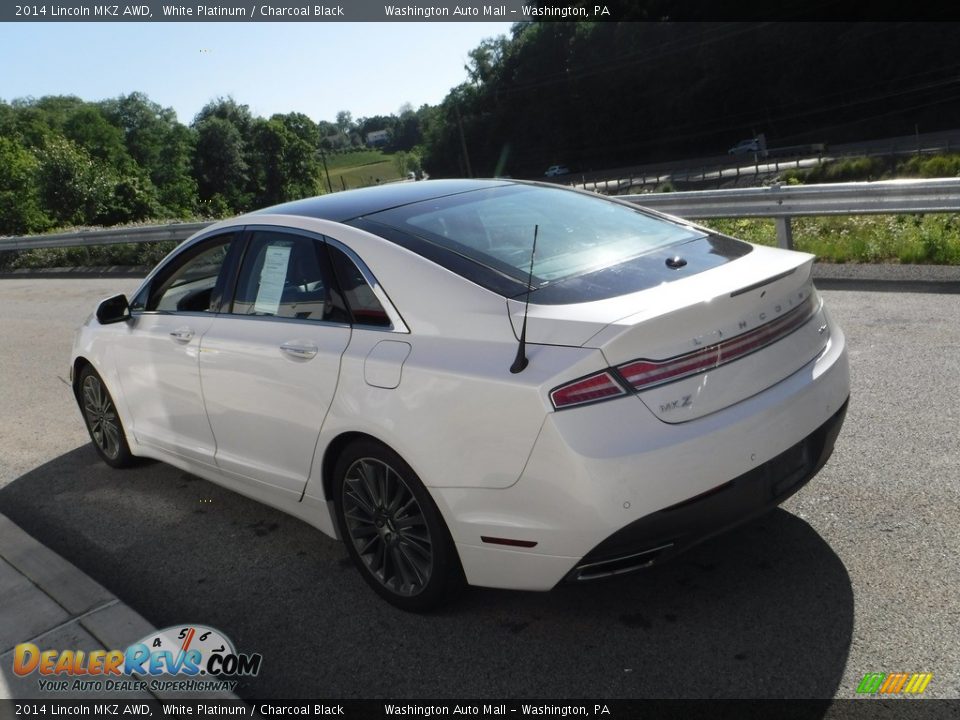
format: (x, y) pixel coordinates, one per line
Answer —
(492, 383)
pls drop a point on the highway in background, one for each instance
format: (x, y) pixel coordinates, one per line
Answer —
(857, 573)
(747, 169)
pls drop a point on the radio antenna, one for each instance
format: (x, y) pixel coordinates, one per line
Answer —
(520, 361)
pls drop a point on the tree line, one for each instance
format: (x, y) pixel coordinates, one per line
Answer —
(594, 96)
(66, 162)
(587, 95)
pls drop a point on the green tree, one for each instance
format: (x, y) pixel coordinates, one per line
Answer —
(271, 140)
(29, 124)
(220, 165)
(160, 145)
(20, 210)
(286, 163)
(238, 156)
(230, 110)
(407, 129)
(176, 186)
(344, 121)
(73, 189)
(89, 129)
(407, 162)
(144, 125)
(131, 198)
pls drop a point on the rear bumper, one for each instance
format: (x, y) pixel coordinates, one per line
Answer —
(611, 479)
(660, 535)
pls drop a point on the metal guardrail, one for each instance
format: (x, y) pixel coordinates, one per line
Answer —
(727, 168)
(113, 236)
(780, 202)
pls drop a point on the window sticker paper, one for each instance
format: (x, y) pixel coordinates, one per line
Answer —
(272, 278)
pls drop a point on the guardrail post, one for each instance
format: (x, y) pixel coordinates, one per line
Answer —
(784, 232)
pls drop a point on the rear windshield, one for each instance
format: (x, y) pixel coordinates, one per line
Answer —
(576, 233)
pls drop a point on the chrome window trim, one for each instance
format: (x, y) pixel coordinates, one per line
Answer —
(397, 324)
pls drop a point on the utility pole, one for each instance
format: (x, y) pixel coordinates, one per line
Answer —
(463, 142)
(323, 156)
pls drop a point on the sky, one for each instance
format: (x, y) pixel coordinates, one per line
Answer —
(314, 68)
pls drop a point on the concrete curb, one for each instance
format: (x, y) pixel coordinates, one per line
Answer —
(888, 278)
(75, 273)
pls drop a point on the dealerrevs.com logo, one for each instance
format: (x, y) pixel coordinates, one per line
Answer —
(184, 658)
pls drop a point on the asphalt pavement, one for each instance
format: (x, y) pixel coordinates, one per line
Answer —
(857, 573)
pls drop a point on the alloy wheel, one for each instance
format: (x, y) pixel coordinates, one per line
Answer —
(101, 416)
(387, 527)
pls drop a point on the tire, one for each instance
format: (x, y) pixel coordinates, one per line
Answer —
(102, 421)
(393, 529)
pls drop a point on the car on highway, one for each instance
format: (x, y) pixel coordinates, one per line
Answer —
(556, 171)
(488, 382)
(750, 145)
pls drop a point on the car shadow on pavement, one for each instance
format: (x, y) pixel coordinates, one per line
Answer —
(942, 287)
(763, 612)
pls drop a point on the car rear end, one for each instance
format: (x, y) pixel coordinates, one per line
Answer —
(710, 381)
(720, 397)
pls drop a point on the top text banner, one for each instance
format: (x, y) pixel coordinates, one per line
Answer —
(301, 11)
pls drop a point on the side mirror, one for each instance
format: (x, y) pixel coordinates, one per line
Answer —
(113, 310)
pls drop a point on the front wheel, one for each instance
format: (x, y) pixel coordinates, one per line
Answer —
(103, 423)
(393, 530)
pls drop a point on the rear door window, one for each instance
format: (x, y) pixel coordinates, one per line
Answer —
(287, 275)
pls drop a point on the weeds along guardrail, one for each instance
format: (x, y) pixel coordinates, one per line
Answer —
(783, 202)
(780, 202)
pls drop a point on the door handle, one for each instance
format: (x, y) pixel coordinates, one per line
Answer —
(183, 334)
(301, 351)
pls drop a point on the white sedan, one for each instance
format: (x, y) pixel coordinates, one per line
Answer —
(493, 382)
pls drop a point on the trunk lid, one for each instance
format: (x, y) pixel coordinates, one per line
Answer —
(708, 340)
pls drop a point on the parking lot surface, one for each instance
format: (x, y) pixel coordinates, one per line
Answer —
(857, 573)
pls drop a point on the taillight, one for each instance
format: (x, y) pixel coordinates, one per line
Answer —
(643, 374)
(599, 386)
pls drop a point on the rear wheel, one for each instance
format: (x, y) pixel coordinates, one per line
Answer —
(393, 530)
(103, 422)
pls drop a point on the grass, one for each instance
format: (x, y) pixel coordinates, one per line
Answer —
(364, 175)
(885, 167)
(354, 158)
(361, 169)
(922, 239)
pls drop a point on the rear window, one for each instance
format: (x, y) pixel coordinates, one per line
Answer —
(576, 233)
